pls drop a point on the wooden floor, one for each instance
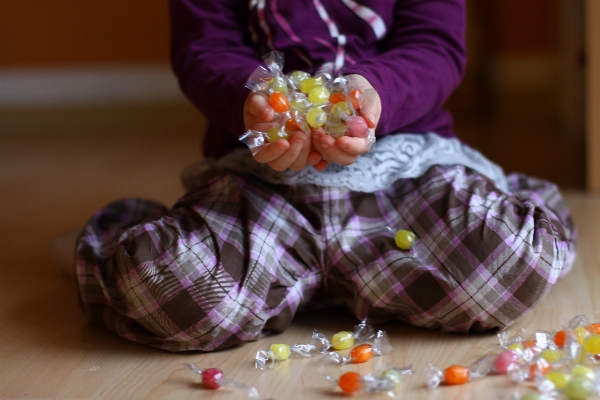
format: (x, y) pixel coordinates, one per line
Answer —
(57, 167)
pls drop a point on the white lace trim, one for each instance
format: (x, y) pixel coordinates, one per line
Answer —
(392, 157)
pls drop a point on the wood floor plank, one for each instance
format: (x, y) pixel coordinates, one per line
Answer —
(52, 183)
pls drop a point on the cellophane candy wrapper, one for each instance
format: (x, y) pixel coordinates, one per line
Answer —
(320, 345)
(386, 380)
(379, 345)
(457, 374)
(213, 378)
(305, 103)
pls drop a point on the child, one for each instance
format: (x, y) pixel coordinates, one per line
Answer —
(310, 221)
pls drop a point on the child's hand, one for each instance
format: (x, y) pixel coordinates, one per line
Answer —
(346, 149)
(294, 153)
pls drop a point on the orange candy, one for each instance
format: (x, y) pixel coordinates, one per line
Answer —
(528, 343)
(354, 95)
(350, 382)
(337, 98)
(279, 102)
(291, 125)
(456, 375)
(541, 367)
(560, 337)
(361, 353)
(593, 328)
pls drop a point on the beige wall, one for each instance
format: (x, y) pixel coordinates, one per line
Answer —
(36, 33)
(593, 94)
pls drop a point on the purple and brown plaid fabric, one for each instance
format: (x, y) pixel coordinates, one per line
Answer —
(237, 255)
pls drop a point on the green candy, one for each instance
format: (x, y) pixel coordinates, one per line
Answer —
(579, 389)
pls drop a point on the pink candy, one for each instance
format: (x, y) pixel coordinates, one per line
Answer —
(357, 126)
(505, 359)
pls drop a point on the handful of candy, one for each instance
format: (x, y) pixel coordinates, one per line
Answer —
(304, 102)
(214, 378)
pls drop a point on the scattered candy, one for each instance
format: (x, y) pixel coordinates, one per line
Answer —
(404, 239)
(350, 382)
(505, 359)
(214, 378)
(387, 380)
(361, 353)
(342, 340)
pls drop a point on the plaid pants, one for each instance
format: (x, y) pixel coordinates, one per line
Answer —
(237, 255)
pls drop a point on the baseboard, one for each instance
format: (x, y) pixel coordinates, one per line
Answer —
(39, 87)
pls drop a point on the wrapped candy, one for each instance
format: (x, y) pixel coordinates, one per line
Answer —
(304, 102)
(320, 345)
(387, 380)
(404, 239)
(578, 383)
(361, 353)
(214, 378)
(458, 374)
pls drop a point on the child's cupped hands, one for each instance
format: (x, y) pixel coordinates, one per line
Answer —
(295, 153)
(346, 149)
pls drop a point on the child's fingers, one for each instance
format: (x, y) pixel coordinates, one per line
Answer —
(257, 107)
(321, 165)
(285, 160)
(354, 145)
(369, 117)
(272, 151)
(314, 157)
(302, 159)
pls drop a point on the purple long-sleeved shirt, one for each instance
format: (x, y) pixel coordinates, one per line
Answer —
(412, 52)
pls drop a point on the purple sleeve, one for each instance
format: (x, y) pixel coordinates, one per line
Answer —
(212, 59)
(422, 62)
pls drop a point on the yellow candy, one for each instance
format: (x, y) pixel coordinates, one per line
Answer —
(316, 117)
(591, 344)
(551, 356)
(580, 333)
(276, 133)
(278, 84)
(404, 239)
(281, 352)
(582, 371)
(298, 76)
(318, 95)
(298, 106)
(308, 84)
(342, 340)
(516, 347)
(560, 379)
(341, 110)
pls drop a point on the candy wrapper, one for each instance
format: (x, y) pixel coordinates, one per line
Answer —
(320, 345)
(305, 103)
(387, 380)
(458, 374)
(214, 378)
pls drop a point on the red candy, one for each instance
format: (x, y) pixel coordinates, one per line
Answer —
(210, 376)
(560, 338)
